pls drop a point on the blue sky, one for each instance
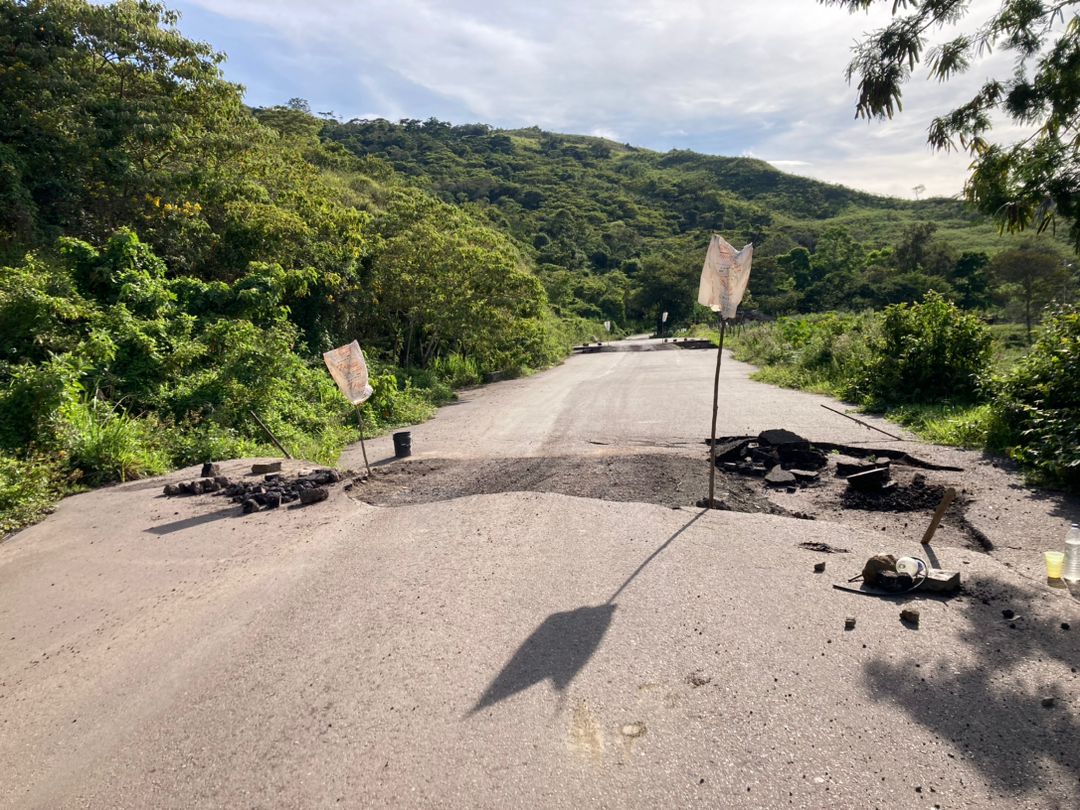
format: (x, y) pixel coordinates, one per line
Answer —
(732, 78)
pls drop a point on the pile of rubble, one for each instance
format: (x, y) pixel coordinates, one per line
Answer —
(268, 492)
(785, 459)
(782, 458)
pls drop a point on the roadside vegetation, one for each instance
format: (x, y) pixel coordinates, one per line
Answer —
(941, 372)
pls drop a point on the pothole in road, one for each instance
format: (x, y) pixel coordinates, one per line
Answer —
(676, 481)
(666, 479)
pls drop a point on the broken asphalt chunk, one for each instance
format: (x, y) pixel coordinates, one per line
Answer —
(314, 495)
(870, 480)
(779, 477)
(730, 451)
(263, 469)
(778, 437)
(848, 465)
(910, 616)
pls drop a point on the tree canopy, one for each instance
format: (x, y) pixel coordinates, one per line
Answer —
(1034, 182)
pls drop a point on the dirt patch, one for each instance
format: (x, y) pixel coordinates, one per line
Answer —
(911, 497)
(679, 481)
(666, 479)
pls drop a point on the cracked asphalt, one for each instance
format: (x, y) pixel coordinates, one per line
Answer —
(525, 649)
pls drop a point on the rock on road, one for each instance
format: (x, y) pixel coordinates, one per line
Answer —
(525, 649)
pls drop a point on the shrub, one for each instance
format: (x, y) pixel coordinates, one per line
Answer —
(27, 490)
(105, 444)
(1040, 400)
(457, 370)
(926, 352)
(823, 353)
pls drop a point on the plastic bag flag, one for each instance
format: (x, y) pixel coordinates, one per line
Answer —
(724, 276)
(349, 370)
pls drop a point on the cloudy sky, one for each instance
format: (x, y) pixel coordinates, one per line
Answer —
(729, 78)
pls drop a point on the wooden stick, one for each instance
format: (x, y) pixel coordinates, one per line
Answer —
(864, 424)
(363, 448)
(939, 513)
(273, 438)
(712, 432)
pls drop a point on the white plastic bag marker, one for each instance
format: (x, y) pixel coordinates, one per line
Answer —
(347, 367)
(724, 276)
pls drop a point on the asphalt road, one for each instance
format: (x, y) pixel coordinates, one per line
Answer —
(624, 400)
(522, 649)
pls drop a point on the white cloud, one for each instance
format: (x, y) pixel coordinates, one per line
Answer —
(604, 132)
(766, 77)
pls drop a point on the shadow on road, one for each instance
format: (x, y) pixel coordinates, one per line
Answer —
(562, 644)
(557, 649)
(198, 520)
(992, 715)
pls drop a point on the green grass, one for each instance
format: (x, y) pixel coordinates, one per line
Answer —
(976, 427)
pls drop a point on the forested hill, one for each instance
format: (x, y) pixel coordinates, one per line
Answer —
(607, 222)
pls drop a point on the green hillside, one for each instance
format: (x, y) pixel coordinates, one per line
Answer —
(618, 232)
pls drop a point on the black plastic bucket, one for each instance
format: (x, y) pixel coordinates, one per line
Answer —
(403, 444)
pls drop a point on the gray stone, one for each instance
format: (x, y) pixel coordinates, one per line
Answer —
(262, 469)
(210, 470)
(910, 616)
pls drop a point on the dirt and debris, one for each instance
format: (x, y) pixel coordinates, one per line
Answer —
(819, 568)
(678, 480)
(660, 478)
(698, 678)
(271, 491)
(824, 548)
(831, 480)
(849, 623)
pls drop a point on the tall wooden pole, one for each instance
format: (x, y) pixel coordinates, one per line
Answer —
(363, 448)
(712, 433)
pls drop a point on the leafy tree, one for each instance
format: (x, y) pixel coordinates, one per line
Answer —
(971, 280)
(920, 251)
(836, 252)
(1032, 275)
(1031, 183)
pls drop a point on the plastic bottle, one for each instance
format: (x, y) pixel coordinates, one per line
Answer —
(1072, 554)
